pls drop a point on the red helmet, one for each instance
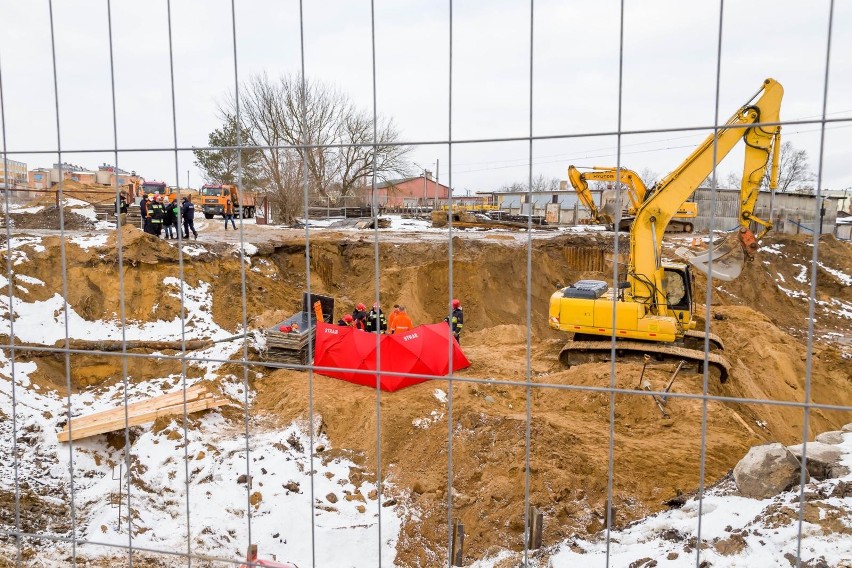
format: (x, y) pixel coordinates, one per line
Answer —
(360, 307)
(347, 318)
(456, 303)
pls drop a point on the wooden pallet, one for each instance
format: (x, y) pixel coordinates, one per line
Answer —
(138, 413)
(291, 347)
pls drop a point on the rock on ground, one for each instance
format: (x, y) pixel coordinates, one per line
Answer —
(766, 471)
(823, 460)
(833, 437)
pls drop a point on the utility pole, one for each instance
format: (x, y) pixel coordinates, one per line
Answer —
(437, 177)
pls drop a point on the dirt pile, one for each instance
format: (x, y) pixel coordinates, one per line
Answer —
(49, 219)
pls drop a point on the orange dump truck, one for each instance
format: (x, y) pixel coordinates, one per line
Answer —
(214, 198)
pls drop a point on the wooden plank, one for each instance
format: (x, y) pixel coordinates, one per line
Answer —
(99, 427)
(192, 393)
(137, 420)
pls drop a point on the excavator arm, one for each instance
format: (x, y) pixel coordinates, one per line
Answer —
(636, 189)
(756, 123)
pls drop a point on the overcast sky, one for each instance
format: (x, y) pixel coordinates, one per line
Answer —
(669, 77)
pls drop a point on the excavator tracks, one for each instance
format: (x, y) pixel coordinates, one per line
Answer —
(578, 352)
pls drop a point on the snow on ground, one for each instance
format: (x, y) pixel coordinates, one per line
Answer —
(844, 278)
(43, 322)
(402, 225)
(86, 242)
(284, 502)
(193, 250)
(767, 537)
(23, 209)
(280, 499)
(16, 243)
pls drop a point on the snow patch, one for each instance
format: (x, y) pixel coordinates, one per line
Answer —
(86, 242)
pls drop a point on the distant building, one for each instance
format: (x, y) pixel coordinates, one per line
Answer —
(791, 213)
(106, 175)
(111, 175)
(411, 192)
(558, 206)
(16, 176)
(39, 178)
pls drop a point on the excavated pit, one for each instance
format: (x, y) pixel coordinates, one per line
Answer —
(655, 458)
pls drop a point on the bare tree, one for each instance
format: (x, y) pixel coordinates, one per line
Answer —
(734, 180)
(539, 183)
(354, 161)
(649, 177)
(311, 135)
(793, 168)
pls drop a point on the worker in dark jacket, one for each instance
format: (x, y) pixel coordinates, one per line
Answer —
(187, 213)
(359, 317)
(121, 208)
(376, 321)
(156, 214)
(169, 220)
(456, 320)
(143, 210)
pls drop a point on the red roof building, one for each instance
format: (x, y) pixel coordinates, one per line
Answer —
(417, 191)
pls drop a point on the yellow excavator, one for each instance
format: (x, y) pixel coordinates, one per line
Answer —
(636, 192)
(650, 313)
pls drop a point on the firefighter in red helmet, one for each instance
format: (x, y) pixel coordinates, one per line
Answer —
(456, 320)
(359, 317)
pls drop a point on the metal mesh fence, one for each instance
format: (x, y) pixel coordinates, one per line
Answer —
(73, 538)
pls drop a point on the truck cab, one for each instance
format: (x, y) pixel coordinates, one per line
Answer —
(215, 196)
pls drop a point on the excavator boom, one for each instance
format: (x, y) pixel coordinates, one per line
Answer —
(636, 191)
(756, 124)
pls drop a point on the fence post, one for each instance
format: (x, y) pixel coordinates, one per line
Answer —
(457, 553)
(534, 529)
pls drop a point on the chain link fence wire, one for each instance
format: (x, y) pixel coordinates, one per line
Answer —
(188, 556)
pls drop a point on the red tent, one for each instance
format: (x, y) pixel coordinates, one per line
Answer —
(424, 350)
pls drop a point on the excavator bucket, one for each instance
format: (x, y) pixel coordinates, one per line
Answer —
(728, 259)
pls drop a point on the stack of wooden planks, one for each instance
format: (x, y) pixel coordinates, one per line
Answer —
(197, 398)
(291, 346)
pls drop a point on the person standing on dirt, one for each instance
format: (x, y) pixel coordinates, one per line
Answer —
(121, 206)
(156, 213)
(393, 314)
(143, 210)
(169, 220)
(187, 212)
(175, 209)
(359, 317)
(376, 322)
(401, 323)
(456, 320)
(346, 321)
(229, 214)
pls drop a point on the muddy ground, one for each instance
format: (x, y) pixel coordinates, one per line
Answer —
(655, 459)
